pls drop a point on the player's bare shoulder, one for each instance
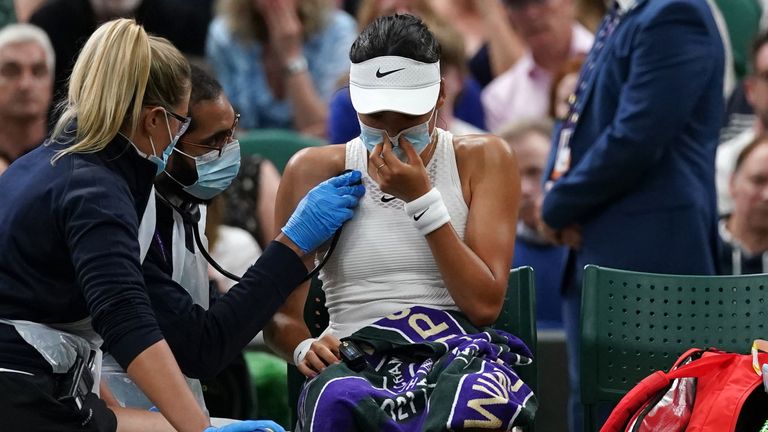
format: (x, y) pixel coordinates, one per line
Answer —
(315, 164)
(482, 151)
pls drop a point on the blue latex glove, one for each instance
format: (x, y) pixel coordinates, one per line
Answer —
(248, 426)
(322, 212)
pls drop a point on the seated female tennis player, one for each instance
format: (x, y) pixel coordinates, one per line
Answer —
(426, 256)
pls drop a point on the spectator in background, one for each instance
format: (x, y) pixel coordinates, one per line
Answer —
(467, 16)
(26, 88)
(343, 124)
(69, 23)
(491, 45)
(563, 86)
(279, 60)
(453, 69)
(250, 200)
(233, 248)
(756, 92)
(530, 139)
(369, 10)
(553, 36)
(632, 167)
(744, 233)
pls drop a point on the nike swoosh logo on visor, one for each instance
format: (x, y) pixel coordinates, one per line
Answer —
(380, 74)
(418, 216)
(386, 199)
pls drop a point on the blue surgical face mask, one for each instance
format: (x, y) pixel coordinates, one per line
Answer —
(162, 160)
(214, 173)
(417, 135)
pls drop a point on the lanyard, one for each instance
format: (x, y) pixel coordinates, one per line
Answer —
(576, 100)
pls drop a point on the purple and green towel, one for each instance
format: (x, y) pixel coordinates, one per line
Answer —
(428, 370)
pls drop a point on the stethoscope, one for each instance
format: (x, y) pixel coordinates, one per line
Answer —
(190, 215)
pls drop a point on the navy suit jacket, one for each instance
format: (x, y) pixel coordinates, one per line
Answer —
(641, 179)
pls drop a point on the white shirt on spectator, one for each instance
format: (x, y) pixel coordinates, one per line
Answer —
(522, 92)
(235, 251)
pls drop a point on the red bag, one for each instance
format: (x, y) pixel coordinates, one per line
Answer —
(704, 391)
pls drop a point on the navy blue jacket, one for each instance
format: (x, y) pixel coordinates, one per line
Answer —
(70, 250)
(641, 181)
(205, 341)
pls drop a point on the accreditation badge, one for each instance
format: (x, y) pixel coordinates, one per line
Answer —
(563, 156)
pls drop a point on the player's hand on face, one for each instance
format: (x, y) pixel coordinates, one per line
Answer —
(405, 180)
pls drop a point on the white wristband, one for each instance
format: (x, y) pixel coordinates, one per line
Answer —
(296, 65)
(301, 350)
(428, 212)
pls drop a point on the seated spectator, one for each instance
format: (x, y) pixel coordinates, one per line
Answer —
(249, 203)
(69, 23)
(492, 46)
(552, 36)
(343, 124)
(744, 233)
(756, 92)
(26, 88)
(420, 240)
(369, 10)
(279, 60)
(530, 141)
(233, 248)
(454, 70)
(739, 114)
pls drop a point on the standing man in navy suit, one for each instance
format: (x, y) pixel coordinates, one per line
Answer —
(631, 172)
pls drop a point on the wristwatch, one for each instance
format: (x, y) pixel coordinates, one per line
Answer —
(296, 65)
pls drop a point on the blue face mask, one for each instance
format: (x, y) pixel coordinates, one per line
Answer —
(214, 173)
(417, 135)
(162, 161)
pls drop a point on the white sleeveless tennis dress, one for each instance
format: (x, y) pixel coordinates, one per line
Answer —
(381, 264)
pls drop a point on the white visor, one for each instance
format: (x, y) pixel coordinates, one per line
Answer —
(392, 83)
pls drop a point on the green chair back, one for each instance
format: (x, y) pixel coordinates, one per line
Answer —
(518, 316)
(633, 324)
(276, 145)
(7, 13)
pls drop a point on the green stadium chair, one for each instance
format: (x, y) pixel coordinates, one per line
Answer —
(635, 323)
(276, 145)
(518, 316)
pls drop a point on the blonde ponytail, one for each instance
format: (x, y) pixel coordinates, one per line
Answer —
(120, 70)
